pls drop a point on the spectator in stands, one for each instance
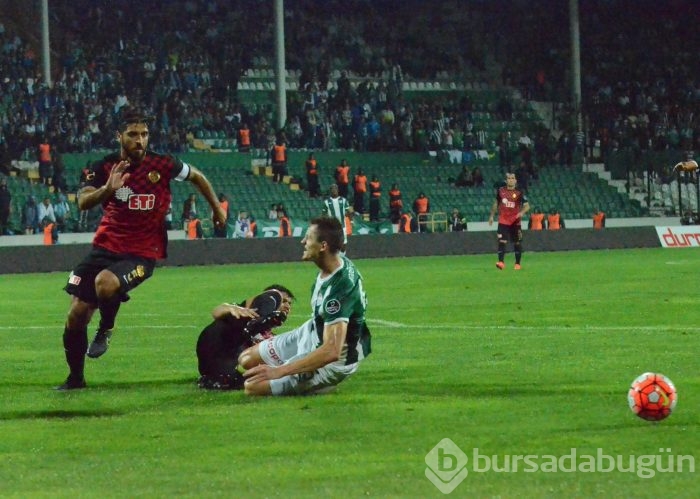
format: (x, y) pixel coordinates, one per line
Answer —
(285, 224)
(189, 208)
(407, 222)
(342, 178)
(278, 154)
(169, 217)
(59, 179)
(523, 176)
(421, 205)
(312, 182)
(193, 227)
(244, 138)
(50, 231)
(465, 178)
(30, 216)
(395, 204)
(221, 230)
(554, 220)
(241, 229)
(272, 213)
(5, 207)
(45, 210)
(45, 162)
(62, 211)
(477, 177)
(375, 197)
(458, 222)
(599, 220)
(359, 185)
(537, 220)
(337, 206)
(565, 150)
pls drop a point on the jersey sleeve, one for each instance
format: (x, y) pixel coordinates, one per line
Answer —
(96, 174)
(343, 300)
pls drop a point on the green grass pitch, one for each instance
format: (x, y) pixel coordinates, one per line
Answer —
(503, 363)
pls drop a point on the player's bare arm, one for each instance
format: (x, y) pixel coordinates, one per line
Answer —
(526, 208)
(89, 196)
(202, 184)
(329, 351)
(494, 207)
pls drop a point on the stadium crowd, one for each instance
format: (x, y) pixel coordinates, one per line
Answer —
(181, 61)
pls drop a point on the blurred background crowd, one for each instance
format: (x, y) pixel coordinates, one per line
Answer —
(182, 60)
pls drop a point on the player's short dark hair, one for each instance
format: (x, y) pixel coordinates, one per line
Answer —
(279, 287)
(330, 231)
(130, 116)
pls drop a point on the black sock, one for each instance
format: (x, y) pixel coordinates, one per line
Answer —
(108, 311)
(75, 344)
(501, 251)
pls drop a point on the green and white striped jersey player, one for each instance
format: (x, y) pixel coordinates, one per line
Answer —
(341, 297)
(337, 207)
(327, 348)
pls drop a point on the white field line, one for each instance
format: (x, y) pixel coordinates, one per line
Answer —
(398, 325)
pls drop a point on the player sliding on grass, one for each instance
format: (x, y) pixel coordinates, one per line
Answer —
(235, 328)
(511, 204)
(133, 187)
(327, 348)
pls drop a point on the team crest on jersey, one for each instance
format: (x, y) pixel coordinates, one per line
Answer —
(514, 195)
(332, 306)
(153, 176)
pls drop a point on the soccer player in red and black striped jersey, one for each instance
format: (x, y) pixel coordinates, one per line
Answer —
(511, 204)
(133, 187)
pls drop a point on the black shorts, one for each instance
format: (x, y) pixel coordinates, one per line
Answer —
(219, 345)
(131, 271)
(512, 233)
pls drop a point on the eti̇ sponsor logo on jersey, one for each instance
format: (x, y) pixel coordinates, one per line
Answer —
(137, 202)
(332, 306)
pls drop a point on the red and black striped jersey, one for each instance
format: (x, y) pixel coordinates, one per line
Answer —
(133, 222)
(510, 202)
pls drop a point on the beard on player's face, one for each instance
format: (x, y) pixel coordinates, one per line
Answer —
(133, 151)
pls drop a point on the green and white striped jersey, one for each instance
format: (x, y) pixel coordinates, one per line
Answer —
(336, 208)
(341, 297)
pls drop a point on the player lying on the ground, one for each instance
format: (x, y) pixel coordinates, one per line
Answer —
(235, 328)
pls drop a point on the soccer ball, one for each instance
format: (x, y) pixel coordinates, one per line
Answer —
(652, 396)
